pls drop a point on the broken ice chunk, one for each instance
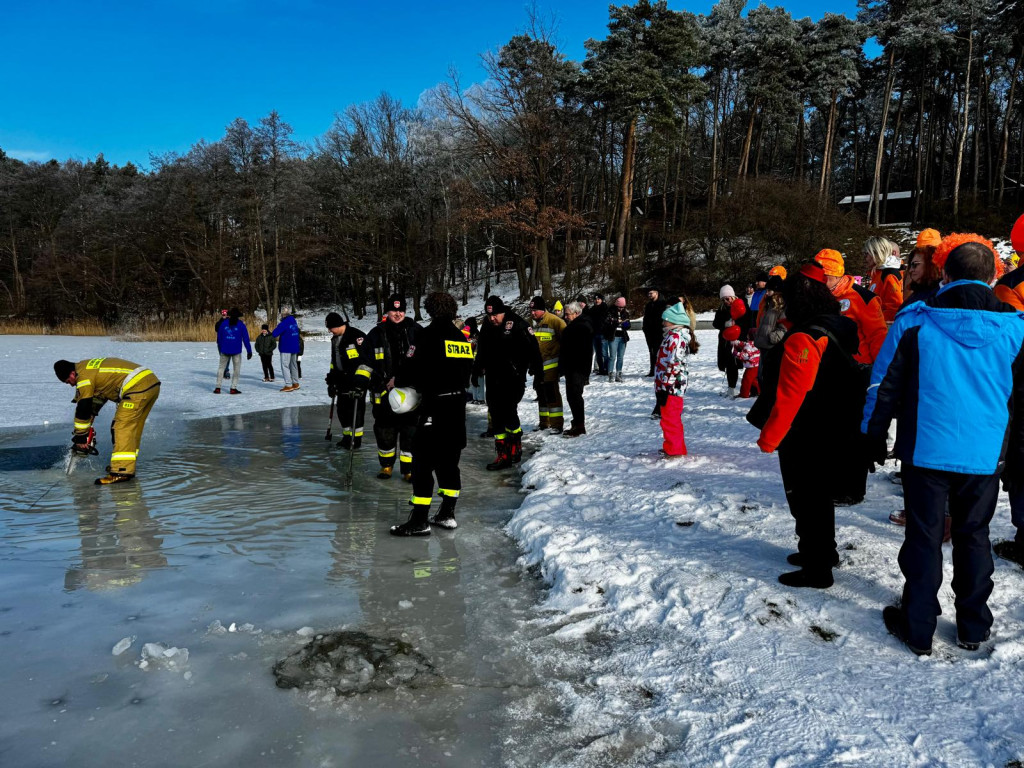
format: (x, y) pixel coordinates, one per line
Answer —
(122, 645)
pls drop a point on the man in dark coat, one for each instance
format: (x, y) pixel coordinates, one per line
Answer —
(597, 313)
(652, 325)
(439, 368)
(576, 358)
(347, 378)
(385, 353)
(506, 353)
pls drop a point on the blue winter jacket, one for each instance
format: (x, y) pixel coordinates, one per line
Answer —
(951, 371)
(288, 330)
(230, 338)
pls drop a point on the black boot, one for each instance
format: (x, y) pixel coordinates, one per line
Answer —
(808, 579)
(502, 448)
(445, 517)
(358, 442)
(798, 560)
(575, 431)
(345, 442)
(416, 525)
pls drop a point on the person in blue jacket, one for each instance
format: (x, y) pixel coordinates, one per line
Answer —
(231, 335)
(290, 346)
(950, 372)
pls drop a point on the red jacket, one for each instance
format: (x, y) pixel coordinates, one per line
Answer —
(865, 309)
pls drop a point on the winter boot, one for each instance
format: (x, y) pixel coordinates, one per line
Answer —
(575, 431)
(235, 391)
(358, 442)
(798, 560)
(345, 442)
(806, 578)
(407, 477)
(445, 517)
(114, 477)
(385, 473)
(618, 377)
(416, 525)
(216, 391)
(504, 459)
(515, 449)
(1010, 550)
(896, 623)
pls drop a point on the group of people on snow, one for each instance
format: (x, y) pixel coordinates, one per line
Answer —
(232, 335)
(833, 361)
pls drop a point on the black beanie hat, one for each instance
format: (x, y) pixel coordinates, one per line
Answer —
(494, 306)
(63, 369)
(538, 303)
(264, 327)
(774, 283)
(396, 303)
(581, 299)
(334, 320)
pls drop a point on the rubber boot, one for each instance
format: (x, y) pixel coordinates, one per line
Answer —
(113, 477)
(416, 525)
(516, 447)
(504, 458)
(445, 517)
(358, 442)
(385, 473)
(345, 442)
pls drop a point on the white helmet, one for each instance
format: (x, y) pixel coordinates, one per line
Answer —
(403, 399)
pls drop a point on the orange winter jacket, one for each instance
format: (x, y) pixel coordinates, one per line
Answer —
(1010, 288)
(865, 309)
(801, 358)
(887, 285)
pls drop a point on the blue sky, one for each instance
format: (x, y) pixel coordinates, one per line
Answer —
(129, 78)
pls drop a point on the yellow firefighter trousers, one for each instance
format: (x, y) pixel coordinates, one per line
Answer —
(126, 430)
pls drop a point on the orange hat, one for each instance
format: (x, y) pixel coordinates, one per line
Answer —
(831, 262)
(929, 237)
(778, 270)
(951, 241)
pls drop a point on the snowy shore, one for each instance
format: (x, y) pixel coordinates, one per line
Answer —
(671, 566)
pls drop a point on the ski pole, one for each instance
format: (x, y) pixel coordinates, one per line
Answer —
(330, 419)
(356, 396)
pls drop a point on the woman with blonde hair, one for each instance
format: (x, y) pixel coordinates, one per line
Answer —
(885, 276)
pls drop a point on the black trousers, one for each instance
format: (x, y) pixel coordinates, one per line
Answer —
(809, 491)
(732, 372)
(268, 366)
(347, 404)
(574, 383)
(435, 453)
(395, 435)
(972, 502)
(653, 345)
(851, 468)
(503, 398)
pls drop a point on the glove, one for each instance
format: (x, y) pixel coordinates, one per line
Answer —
(80, 448)
(248, 355)
(877, 451)
(332, 391)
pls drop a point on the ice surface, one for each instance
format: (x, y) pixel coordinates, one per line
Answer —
(122, 645)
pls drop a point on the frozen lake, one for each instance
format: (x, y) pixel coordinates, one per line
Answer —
(237, 534)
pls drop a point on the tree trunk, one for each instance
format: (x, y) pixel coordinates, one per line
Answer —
(876, 182)
(962, 137)
(626, 193)
(1004, 148)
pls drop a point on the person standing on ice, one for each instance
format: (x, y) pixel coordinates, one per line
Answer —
(288, 331)
(810, 391)
(952, 369)
(575, 359)
(231, 335)
(506, 354)
(438, 368)
(616, 336)
(347, 378)
(547, 329)
(653, 335)
(670, 376)
(730, 322)
(598, 312)
(265, 345)
(388, 346)
(133, 387)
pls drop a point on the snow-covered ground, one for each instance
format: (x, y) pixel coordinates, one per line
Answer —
(670, 566)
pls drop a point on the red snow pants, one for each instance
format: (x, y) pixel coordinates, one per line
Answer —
(672, 426)
(749, 384)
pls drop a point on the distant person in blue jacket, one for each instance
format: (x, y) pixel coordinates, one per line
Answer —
(290, 344)
(951, 371)
(231, 335)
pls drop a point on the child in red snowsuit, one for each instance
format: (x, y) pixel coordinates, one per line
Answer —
(749, 356)
(670, 377)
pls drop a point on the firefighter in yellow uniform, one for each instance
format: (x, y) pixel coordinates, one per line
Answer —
(547, 329)
(133, 387)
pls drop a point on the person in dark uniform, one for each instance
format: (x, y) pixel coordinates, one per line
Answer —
(439, 368)
(653, 311)
(385, 352)
(347, 379)
(506, 353)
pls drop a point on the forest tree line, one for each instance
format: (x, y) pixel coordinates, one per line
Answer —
(687, 145)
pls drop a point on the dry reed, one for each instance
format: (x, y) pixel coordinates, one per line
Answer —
(177, 329)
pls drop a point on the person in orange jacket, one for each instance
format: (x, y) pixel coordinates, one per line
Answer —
(812, 387)
(856, 303)
(885, 274)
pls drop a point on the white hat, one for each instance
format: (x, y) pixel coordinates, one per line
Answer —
(726, 291)
(403, 399)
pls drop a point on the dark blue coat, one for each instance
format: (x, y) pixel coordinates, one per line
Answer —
(952, 372)
(230, 338)
(288, 330)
